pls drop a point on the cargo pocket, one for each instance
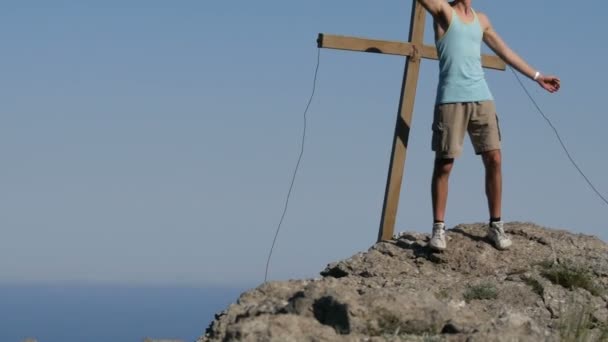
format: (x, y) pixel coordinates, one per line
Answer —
(438, 141)
(498, 127)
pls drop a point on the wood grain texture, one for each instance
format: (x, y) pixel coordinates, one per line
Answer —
(403, 126)
(388, 47)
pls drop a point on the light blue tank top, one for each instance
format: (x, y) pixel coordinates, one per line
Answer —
(461, 77)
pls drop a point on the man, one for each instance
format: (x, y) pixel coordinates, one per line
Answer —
(464, 103)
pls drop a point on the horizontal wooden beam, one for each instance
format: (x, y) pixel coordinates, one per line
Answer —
(329, 41)
(364, 45)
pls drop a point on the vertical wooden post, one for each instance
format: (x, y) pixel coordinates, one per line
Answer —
(402, 128)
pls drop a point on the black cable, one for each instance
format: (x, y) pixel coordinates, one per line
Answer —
(559, 138)
(314, 87)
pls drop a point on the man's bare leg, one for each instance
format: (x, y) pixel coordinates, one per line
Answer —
(496, 232)
(492, 161)
(439, 187)
(439, 193)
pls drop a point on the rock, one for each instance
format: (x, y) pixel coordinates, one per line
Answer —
(402, 291)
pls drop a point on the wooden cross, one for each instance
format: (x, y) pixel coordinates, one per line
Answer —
(414, 50)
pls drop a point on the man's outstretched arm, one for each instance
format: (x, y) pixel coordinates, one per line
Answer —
(493, 40)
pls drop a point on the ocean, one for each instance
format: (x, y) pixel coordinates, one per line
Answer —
(108, 313)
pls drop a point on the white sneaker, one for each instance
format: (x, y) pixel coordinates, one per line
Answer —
(497, 235)
(438, 242)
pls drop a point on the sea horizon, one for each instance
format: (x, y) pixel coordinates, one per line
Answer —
(110, 312)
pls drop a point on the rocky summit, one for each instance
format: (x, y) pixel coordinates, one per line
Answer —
(551, 285)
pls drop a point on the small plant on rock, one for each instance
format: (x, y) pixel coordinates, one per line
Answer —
(431, 338)
(389, 324)
(481, 291)
(443, 294)
(570, 276)
(577, 324)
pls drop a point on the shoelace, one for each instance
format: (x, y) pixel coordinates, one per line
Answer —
(439, 232)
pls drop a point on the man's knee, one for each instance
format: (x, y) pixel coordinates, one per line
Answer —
(443, 166)
(492, 158)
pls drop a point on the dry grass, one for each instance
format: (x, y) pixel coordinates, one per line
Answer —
(577, 324)
(570, 276)
(480, 292)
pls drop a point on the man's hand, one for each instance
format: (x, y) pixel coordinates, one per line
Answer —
(549, 83)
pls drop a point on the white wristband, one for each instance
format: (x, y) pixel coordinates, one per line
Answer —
(537, 75)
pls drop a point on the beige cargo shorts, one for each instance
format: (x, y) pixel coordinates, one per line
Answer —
(453, 120)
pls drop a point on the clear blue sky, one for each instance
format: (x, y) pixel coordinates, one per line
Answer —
(152, 142)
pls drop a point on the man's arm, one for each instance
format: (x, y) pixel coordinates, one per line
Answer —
(493, 40)
(437, 8)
